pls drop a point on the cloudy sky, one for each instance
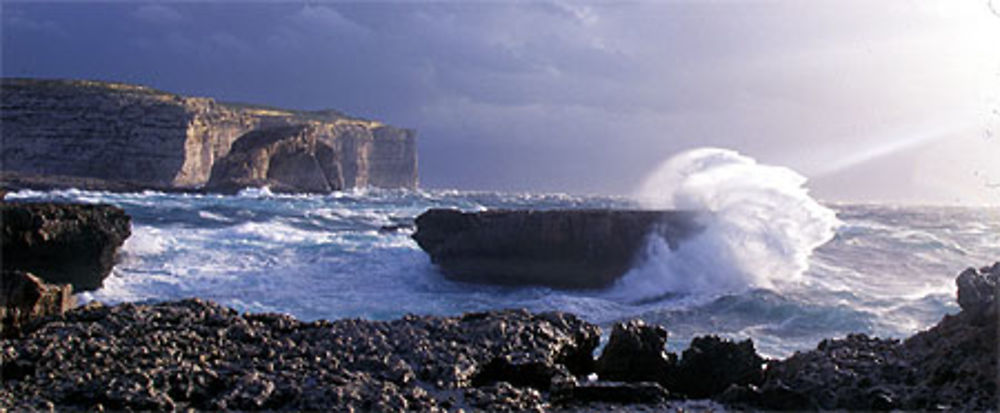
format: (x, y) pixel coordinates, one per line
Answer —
(874, 101)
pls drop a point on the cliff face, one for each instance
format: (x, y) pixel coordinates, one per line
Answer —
(120, 132)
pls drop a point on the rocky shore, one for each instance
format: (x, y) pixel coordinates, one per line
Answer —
(72, 244)
(197, 354)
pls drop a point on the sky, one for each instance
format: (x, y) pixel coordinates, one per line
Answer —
(887, 101)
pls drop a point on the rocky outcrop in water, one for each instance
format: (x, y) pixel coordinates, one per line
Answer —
(25, 298)
(557, 248)
(62, 243)
(127, 135)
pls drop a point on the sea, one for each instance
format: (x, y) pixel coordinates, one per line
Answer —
(773, 264)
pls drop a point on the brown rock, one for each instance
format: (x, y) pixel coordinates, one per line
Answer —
(24, 297)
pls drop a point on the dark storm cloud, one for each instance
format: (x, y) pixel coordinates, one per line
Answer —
(554, 95)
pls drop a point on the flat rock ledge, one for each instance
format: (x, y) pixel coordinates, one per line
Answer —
(61, 243)
(195, 354)
(572, 249)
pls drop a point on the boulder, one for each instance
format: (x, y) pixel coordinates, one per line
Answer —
(24, 298)
(574, 249)
(635, 353)
(711, 364)
(63, 243)
(977, 289)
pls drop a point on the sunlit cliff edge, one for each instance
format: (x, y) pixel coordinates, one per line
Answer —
(123, 132)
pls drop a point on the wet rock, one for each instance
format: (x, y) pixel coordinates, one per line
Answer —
(196, 354)
(63, 243)
(635, 352)
(617, 392)
(24, 298)
(953, 365)
(559, 248)
(977, 289)
(711, 364)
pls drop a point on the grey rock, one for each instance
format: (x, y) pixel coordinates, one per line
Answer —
(951, 366)
(636, 352)
(711, 364)
(196, 354)
(557, 248)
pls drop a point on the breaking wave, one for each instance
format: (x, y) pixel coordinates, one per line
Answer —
(762, 227)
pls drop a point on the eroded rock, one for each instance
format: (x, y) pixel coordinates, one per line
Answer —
(636, 352)
(63, 243)
(196, 354)
(24, 297)
(558, 248)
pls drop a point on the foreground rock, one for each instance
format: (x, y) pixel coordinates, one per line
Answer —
(103, 133)
(950, 366)
(197, 354)
(559, 248)
(25, 298)
(62, 243)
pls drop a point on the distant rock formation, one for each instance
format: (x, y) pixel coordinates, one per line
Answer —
(558, 248)
(62, 243)
(24, 298)
(119, 132)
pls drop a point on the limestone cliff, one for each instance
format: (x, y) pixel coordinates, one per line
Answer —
(121, 132)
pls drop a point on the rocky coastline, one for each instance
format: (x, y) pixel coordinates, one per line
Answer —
(195, 354)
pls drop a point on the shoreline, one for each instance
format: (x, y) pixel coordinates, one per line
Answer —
(198, 354)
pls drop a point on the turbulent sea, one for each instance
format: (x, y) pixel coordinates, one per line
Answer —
(888, 271)
(774, 265)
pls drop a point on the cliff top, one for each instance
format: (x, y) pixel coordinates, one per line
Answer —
(258, 110)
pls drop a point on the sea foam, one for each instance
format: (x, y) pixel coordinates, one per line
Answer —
(760, 232)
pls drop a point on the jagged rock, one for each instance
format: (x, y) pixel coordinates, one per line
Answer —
(977, 289)
(616, 392)
(63, 243)
(956, 360)
(116, 136)
(196, 354)
(557, 248)
(953, 365)
(24, 297)
(634, 353)
(711, 364)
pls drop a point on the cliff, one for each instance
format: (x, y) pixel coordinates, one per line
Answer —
(557, 248)
(119, 132)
